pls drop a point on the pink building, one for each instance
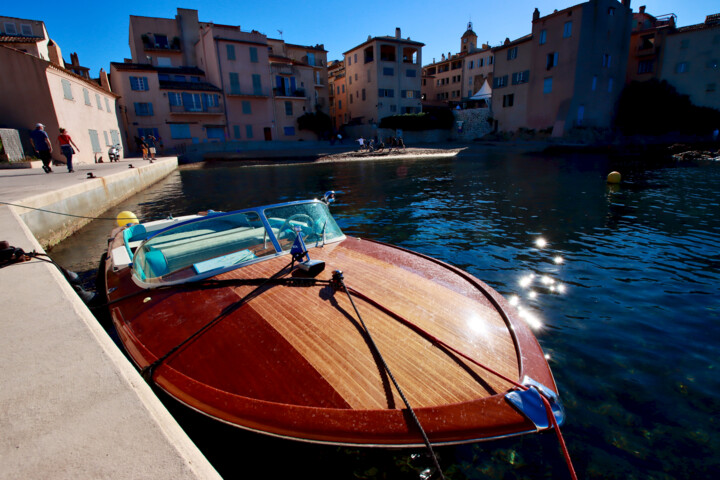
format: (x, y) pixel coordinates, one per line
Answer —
(37, 87)
(194, 82)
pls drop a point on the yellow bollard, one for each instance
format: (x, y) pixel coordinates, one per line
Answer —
(125, 218)
(614, 177)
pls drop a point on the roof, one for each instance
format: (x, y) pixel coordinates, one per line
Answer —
(151, 68)
(517, 41)
(202, 86)
(699, 26)
(20, 39)
(386, 39)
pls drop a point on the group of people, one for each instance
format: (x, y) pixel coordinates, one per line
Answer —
(148, 145)
(43, 147)
(374, 144)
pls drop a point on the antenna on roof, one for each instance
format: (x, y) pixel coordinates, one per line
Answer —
(280, 32)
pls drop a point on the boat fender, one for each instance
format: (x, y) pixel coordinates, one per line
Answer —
(530, 405)
(125, 218)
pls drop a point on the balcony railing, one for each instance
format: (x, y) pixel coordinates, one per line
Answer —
(196, 110)
(282, 92)
(240, 92)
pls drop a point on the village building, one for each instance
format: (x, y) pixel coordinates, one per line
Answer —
(383, 78)
(338, 93)
(38, 86)
(510, 83)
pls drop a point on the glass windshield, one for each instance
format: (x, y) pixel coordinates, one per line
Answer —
(313, 218)
(214, 242)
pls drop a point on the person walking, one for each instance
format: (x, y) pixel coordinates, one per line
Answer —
(144, 148)
(41, 143)
(151, 147)
(66, 148)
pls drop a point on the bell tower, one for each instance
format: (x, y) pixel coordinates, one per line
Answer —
(469, 40)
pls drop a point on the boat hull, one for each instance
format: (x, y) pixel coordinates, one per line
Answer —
(296, 362)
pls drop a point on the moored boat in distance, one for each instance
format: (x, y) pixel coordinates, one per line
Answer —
(271, 319)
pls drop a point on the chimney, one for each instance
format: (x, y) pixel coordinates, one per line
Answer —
(104, 81)
(397, 32)
(536, 15)
(55, 54)
(507, 41)
(626, 3)
(485, 45)
(642, 9)
(442, 57)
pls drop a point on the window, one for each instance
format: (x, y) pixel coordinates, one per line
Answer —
(349, 61)
(499, 82)
(86, 94)
(254, 56)
(257, 84)
(355, 58)
(472, 63)
(607, 59)
(611, 11)
(217, 133)
(26, 29)
(246, 107)
(230, 52)
(192, 102)
(387, 53)
(610, 85)
(521, 77)
(547, 85)
(289, 131)
(389, 71)
(163, 77)
(343, 88)
(107, 140)
(386, 92)
(143, 109)
(682, 67)
(411, 73)
(567, 30)
(350, 79)
(512, 53)
(179, 78)
(508, 100)
(543, 37)
(368, 77)
(490, 60)
(340, 104)
(194, 79)
(95, 141)
(351, 99)
(645, 66)
(288, 108)
(594, 83)
(97, 100)
(551, 60)
(363, 94)
(580, 114)
(368, 54)
(164, 62)
(179, 130)
(356, 77)
(10, 28)
(210, 100)
(107, 104)
(234, 83)
(236, 131)
(161, 41)
(647, 42)
(175, 99)
(482, 61)
(114, 137)
(67, 90)
(248, 131)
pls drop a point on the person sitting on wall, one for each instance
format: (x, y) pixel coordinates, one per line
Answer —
(400, 143)
(380, 146)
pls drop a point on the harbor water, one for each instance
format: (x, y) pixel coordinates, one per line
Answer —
(621, 285)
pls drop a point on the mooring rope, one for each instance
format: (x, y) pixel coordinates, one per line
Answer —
(76, 216)
(338, 278)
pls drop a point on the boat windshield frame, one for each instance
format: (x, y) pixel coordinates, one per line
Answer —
(311, 217)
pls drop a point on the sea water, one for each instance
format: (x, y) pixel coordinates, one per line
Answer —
(621, 285)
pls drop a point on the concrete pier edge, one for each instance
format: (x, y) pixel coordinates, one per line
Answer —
(71, 404)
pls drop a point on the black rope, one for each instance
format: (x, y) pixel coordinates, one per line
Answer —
(339, 280)
(75, 216)
(147, 372)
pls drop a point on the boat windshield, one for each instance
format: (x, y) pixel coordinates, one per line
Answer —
(220, 241)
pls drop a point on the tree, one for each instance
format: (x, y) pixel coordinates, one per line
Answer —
(319, 123)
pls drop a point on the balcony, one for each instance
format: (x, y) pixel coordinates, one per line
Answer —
(282, 92)
(283, 69)
(238, 92)
(192, 110)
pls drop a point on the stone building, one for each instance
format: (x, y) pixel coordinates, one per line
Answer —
(194, 82)
(382, 79)
(511, 83)
(338, 93)
(38, 87)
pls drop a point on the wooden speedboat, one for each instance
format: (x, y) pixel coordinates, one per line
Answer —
(218, 312)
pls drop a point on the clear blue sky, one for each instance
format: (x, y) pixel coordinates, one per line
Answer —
(98, 31)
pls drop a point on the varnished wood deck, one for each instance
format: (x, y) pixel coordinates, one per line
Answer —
(294, 361)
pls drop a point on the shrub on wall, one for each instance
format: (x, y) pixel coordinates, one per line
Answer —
(435, 119)
(655, 108)
(318, 123)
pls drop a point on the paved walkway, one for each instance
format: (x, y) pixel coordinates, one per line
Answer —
(71, 405)
(18, 183)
